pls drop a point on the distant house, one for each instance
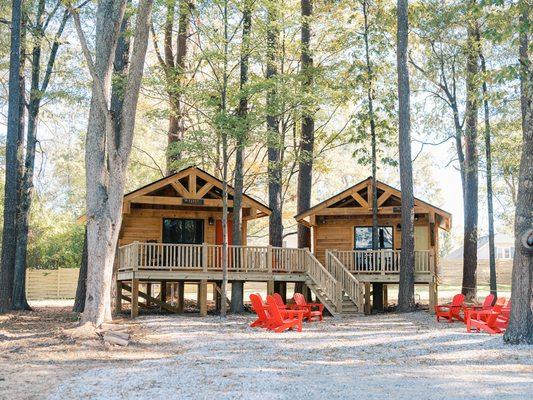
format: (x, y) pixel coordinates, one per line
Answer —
(504, 245)
(452, 264)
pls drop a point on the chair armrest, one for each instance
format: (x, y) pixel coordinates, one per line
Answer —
(477, 313)
(292, 313)
(317, 305)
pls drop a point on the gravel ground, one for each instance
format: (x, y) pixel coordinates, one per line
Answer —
(386, 356)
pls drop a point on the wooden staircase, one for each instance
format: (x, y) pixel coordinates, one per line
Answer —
(334, 286)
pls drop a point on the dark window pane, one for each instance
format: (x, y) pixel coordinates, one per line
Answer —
(186, 231)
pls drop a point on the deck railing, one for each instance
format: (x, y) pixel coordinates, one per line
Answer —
(382, 261)
(331, 288)
(208, 257)
(349, 283)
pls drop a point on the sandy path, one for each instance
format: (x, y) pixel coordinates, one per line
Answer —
(398, 356)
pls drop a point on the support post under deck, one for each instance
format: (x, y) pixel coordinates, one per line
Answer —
(368, 308)
(202, 297)
(377, 296)
(163, 293)
(433, 297)
(134, 298)
(118, 299)
(148, 293)
(270, 287)
(181, 296)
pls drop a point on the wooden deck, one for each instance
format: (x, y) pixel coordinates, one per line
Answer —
(342, 284)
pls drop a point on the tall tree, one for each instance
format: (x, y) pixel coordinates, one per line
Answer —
(521, 320)
(108, 149)
(15, 116)
(38, 90)
(237, 287)
(470, 200)
(488, 161)
(307, 136)
(173, 66)
(275, 222)
(406, 300)
(372, 121)
(223, 131)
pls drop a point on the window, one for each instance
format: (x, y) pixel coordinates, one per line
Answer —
(186, 231)
(363, 237)
(505, 253)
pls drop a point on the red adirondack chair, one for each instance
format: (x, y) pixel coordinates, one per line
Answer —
(282, 320)
(263, 317)
(488, 324)
(279, 301)
(312, 310)
(451, 311)
(503, 319)
(487, 305)
(500, 302)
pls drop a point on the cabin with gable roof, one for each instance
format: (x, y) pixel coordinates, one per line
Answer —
(341, 229)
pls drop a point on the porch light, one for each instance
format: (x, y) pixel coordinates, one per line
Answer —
(210, 221)
(398, 227)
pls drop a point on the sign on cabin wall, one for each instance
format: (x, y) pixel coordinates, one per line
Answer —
(194, 202)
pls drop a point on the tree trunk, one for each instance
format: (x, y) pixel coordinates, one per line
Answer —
(175, 71)
(274, 141)
(521, 323)
(307, 139)
(471, 165)
(370, 94)
(224, 139)
(79, 301)
(107, 151)
(37, 92)
(490, 207)
(406, 299)
(13, 161)
(237, 287)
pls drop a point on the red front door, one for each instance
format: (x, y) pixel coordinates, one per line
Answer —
(218, 232)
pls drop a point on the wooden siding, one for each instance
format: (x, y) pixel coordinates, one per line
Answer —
(338, 233)
(143, 225)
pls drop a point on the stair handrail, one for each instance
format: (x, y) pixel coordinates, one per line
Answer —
(325, 280)
(349, 283)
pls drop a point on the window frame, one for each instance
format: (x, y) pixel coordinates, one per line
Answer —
(381, 239)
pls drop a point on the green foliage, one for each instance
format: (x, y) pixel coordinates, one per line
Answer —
(55, 241)
(338, 102)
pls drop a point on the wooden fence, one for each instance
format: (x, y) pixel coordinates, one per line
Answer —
(44, 284)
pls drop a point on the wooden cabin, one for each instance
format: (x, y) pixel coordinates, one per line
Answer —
(172, 229)
(341, 228)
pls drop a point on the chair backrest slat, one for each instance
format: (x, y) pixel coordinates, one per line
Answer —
(487, 304)
(458, 300)
(274, 310)
(257, 305)
(279, 300)
(299, 299)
